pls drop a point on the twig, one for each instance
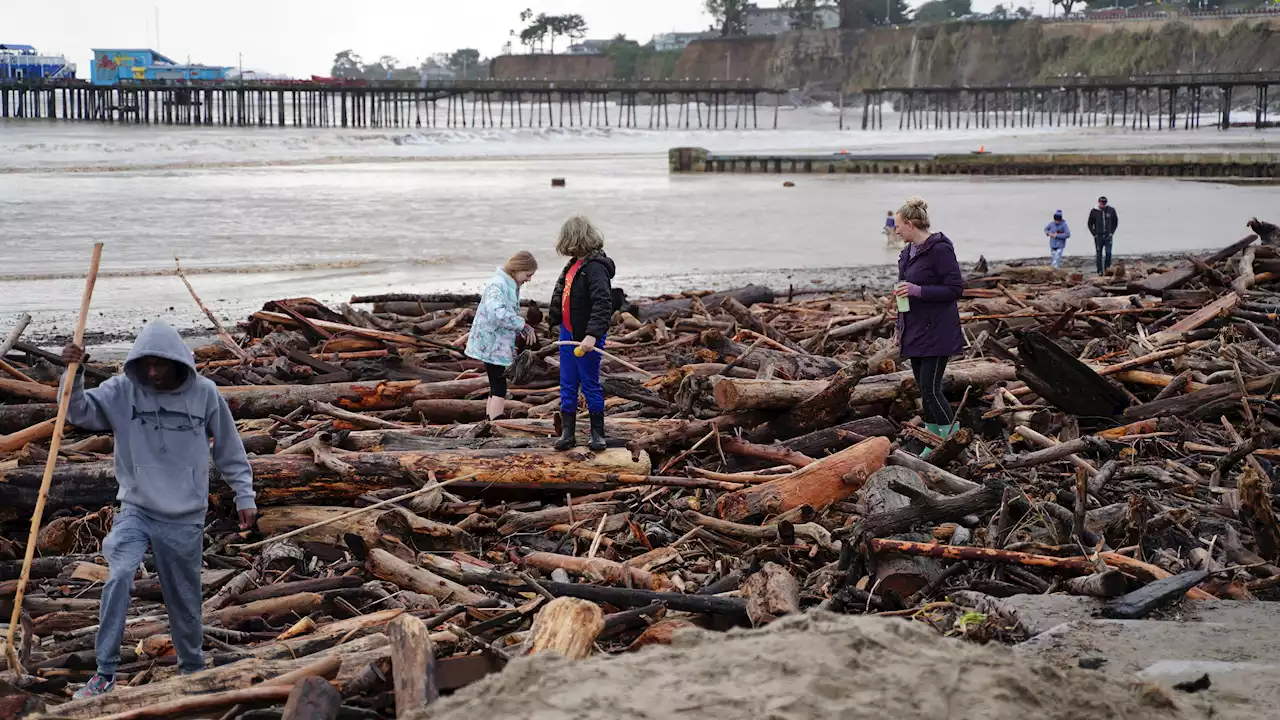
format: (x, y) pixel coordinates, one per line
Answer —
(223, 335)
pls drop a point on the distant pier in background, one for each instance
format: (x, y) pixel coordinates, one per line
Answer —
(1251, 166)
(1137, 102)
(711, 105)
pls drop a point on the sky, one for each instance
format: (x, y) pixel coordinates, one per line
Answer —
(300, 37)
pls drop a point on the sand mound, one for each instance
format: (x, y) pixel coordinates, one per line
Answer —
(818, 666)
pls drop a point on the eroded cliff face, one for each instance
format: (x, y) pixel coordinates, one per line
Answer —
(986, 53)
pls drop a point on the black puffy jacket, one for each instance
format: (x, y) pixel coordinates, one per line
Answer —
(590, 300)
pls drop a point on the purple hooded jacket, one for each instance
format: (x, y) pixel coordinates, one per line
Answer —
(932, 327)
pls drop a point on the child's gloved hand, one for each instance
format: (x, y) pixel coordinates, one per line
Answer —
(588, 344)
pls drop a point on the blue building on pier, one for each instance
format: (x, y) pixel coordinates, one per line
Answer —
(114, 67)
(23, 62)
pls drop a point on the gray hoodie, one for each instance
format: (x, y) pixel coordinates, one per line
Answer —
(162, 438)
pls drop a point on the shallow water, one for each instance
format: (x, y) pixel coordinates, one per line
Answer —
(260, 214)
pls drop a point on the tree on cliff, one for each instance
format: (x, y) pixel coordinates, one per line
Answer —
(545, 26)
(464, 61)
(729, 15)
(1066, 5)
(858, 14)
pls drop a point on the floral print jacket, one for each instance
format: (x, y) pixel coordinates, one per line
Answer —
(493, 333)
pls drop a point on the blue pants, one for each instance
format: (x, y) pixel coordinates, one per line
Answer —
(580, 371)
(178, 551)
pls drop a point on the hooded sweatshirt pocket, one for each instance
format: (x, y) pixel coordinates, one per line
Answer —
(170, 491)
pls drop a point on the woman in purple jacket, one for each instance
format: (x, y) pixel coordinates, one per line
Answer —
(929, 332)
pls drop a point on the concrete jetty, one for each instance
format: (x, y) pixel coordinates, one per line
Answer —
(1256, 166)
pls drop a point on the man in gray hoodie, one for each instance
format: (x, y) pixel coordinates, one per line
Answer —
(163, 415)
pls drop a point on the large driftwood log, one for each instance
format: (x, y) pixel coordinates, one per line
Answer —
(823, 409)
(735, 394)
(568, 626)
(828, 480)
(291, 479)
(447, 412)
(627, 597)
(394, 570)
(262, 401)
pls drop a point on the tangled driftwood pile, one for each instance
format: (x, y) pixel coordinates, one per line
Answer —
(1117, 442)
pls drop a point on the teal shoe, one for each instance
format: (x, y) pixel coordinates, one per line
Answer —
(942, 431)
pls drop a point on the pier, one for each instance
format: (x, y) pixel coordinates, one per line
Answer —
(1253, 166)
(472, 104)
(1138, 102)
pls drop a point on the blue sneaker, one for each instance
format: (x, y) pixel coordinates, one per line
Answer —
(97, 685)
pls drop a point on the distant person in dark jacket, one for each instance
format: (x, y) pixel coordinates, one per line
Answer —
(582, 305)
(929, 331)
(1103, 222)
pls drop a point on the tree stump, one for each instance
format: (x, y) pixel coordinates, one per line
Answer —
(568, 626)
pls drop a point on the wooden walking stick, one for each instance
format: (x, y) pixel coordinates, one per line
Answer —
(64, 401)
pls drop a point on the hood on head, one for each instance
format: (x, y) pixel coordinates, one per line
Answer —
(157, 339)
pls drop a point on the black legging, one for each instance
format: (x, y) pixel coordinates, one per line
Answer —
(928, 372)
(497, 380)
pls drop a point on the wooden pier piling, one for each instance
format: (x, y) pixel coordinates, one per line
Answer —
(383, 106)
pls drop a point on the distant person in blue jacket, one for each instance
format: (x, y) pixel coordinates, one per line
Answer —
(1057, 231)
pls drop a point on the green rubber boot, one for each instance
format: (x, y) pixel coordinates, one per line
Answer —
(942, 431)
(936, 429)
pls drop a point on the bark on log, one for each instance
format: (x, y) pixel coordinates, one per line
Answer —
(394, 570)
(598, 570)
(1145, 600)
(749, 295)
(1157, 284)
(198, 703)
(568, 626)
(777, 454)
(828, 480)
(18, 440)
(235, 676)
(263, 401)
(794, 365)
(1189, 404)
(316, 585)
(1174, 332)
(960, 552)
(403, 527)
(413, 660)
(291, 479)
(16, 418)
(747, 320)
(771, 593)
(1060, 378)
(28, 390)
(273, 609)
(1107, 584)
(312, 699)
(825, 408)
(518, 522)
(626, 597)
(447, 412)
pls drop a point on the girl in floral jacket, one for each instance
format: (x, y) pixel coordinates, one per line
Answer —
(493, 333)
